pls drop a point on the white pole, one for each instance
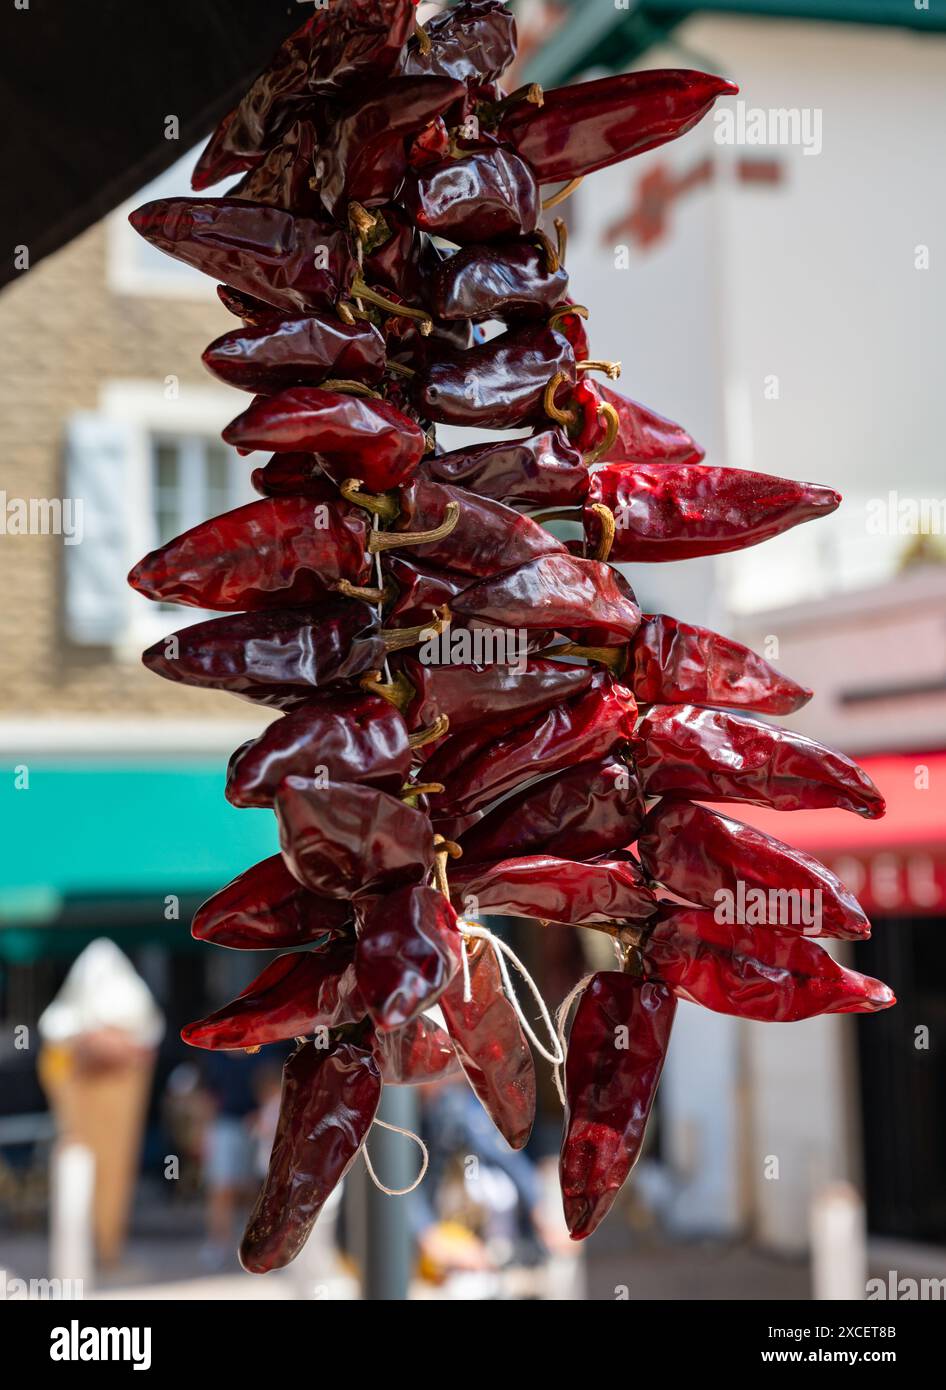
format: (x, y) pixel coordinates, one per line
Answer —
(71, 1242)
(838, 1244)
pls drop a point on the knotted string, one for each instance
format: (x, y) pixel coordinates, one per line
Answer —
(399, 1191)
(502, 952)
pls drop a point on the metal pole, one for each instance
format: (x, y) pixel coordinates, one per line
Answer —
(389, 1254)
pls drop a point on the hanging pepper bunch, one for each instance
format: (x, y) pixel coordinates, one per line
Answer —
(389, 207)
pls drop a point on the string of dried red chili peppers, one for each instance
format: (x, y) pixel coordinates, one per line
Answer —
(369, 237)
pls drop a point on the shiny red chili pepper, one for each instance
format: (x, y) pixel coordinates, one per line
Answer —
(293, 996)
(416, 1055)
(294, 475)
(500, 384)
(397, 257)
(473, 42)
(557, 593)
(266, 910)
(592, 809)
(482, 196)
(644, 436)
(344, 840)
(492, 1048)
(708, 859)
(554, 890)
(248, 308)
(285, 178)
(328, 1103)
(707, 755)
(277, 659)
(681, 511)
(408, 952)
(505, 280)
(274, 357)
(352, 41)
(588, 727)
(276, 553)
(363, 157)
(593, 124)
(760, 975)
(674, 663)
(350, 437)
(542, 471)
(419, 592)
(616, 1052)
(341, 737)
(487, 538)
(295, 263)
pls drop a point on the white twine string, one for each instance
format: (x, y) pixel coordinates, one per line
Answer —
(561, 1018)
(502, 952)
(379, 575)
(399, 1191)
(465, 965)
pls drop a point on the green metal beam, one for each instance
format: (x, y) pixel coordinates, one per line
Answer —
(900, 13)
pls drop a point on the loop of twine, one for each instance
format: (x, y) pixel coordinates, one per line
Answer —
(398, 1191)
(502, 952)
(561, 1018)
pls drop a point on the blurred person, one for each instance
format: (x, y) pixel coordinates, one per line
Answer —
(228, 1160)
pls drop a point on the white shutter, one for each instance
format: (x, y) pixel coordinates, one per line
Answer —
(99, 459)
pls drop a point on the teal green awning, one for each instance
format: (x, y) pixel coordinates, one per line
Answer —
(120, 830)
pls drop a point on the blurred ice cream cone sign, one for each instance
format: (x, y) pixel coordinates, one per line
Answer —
(99, 1039)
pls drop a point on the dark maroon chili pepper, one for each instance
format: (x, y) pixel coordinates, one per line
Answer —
(703, 857)
(499, 385)
(488, 698)
(350, 437)
(294, 475)
(408, 952)
(270, 358)
(761, 975)
(397, 256)
(341, 840)
(591, 125)
(554, 890)
(295, 263)
(556, 593)
(329, 1101)
(430, 145)
(351, 41)
(592, 809)
(588, 727)
(294, 995)
(286, 177)
(277, 659)
(416, 1055)
(707, 755)
(363, 157)
(420, 592)
(266, 910)
(484, 196)
(473, 42)
(350, 737)
(616, 1052)
(276, 553)
(248, 308)
(505, 280)
(644, 436)
(542, 471)
(488, 537)
(674, 663)
(682, 511)
(492, 1047)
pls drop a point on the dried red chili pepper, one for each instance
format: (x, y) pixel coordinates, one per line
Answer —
(616, 1052)
(644, 436)
(328, 1103)
(286, 177)
(295, 263)
(277, 659)
(346, 841)
(499, 385)
(593, 124)
(681, 511)
(352, 42)
(482, 196)
(276, 553)
(294, 475)
(557, 593)
(408, 952)
(544, 470)
(349, 437)
(473, 42)
(703, 857)
(275, 356)
(674, 663)
(554, 890)
(293, 996)
(698, 754)
(416, 1055)
(266, 910)
(760, 975)
(505, 280)
(340, 737)
(491, 1047)
(488, 536)
(419, 591)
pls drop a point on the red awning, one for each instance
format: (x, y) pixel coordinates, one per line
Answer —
(896, 865)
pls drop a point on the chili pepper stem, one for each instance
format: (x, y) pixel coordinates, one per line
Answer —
(565, 310)
(607, 412)
(362, 222)
(614, 658)
(351, 388)
(402, 638)
(399, 692)
(554, 412)
(608, 530)
(379, 504)
(350, 590)
(395, 540)
(438, 730)
(552, 260)
(558, 514)
(612, 370)
(417, 789)
(400, 369)
(562, 194)
(561, 233)
(422, 37)
(380, 301)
